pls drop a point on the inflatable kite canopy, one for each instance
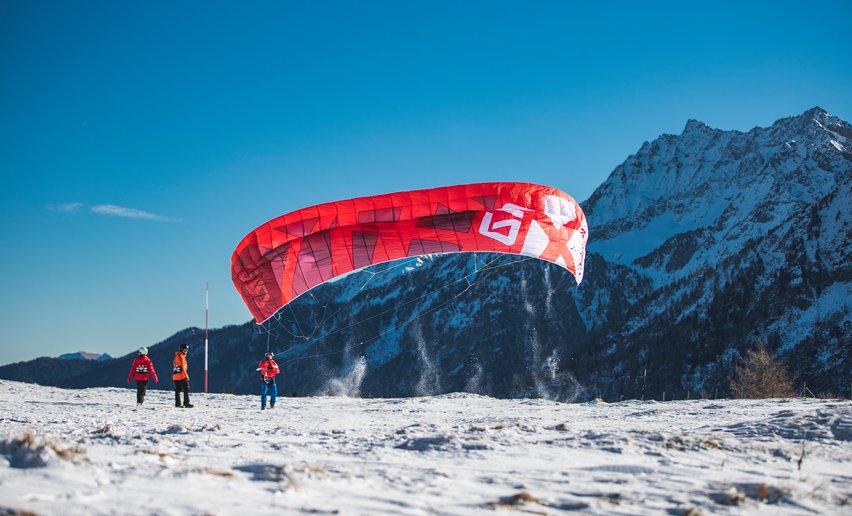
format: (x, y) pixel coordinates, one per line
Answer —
(295, 252)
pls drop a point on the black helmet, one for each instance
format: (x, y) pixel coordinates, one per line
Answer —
(269, 354)
(184, 347)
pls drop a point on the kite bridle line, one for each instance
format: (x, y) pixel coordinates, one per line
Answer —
(372, 274)
(307, 339)
(400, 325)
(365, 342)
(302, 335)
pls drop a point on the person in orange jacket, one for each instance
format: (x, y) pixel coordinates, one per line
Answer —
(181, 377)
(141, 368)
(268, 369)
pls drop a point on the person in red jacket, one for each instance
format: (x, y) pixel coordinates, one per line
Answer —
(268, 369)
(141, 368)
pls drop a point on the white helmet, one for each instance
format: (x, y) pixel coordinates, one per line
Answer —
(143, 350)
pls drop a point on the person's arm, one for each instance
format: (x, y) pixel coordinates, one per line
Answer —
(153, 371)
(130, 374)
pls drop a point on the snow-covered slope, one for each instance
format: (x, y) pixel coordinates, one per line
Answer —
(92, 452)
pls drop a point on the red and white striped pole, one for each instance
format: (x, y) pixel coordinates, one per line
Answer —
(206, 309)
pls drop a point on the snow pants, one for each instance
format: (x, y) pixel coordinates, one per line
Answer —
(268, 386)
(182, 386)
(141, 388)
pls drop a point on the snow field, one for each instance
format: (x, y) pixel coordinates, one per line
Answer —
(93, 452)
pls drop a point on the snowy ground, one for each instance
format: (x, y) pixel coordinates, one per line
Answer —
(92, 452)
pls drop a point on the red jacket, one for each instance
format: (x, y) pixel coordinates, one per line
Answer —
(142, 365)
(268, 369)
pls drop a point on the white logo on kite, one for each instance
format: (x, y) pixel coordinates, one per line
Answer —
(489, 229)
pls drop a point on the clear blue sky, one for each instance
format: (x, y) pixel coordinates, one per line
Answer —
(140, 141)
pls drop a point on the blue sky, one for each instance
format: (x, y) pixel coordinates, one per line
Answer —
(140, 141)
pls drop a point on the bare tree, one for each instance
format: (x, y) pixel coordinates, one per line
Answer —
(760, 375)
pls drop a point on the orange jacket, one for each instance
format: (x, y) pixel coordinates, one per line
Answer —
(268, 369)
(179, 372)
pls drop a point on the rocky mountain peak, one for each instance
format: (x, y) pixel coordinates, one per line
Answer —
(695, 126)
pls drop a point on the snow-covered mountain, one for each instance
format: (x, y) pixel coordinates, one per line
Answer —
(742, 236)
(701, 244)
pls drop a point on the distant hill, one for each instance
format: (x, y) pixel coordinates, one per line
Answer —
(85, 355)
(48, 370)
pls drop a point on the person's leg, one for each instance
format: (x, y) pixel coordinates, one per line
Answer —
(186, 402)
(177, 392)
(141, 388)
(274, 389)
(263, 389)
